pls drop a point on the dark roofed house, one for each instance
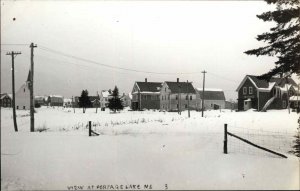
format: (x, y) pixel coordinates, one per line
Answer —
(145, 95)
(178, 96)
(213, 98)
(262, 95)
(5, 100)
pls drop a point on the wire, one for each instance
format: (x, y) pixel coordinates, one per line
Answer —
(225, 78)
(109, 66)
(15, 44)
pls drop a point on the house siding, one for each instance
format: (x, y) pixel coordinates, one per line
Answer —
(169, 102)
(242, 97)
(209, 104)
(142, 100)
(23, 98)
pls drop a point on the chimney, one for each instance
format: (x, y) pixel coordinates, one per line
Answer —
(145, 79)
(280, 74)
(177, 80)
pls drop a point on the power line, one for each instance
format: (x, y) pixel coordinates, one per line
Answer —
(15, 44)
(109, 66)
(225, 78)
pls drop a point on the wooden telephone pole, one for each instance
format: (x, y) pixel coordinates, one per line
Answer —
(188, 99)
(13, 55)
(31, 90)
(203, 91)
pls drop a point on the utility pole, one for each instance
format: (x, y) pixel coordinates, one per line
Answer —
(31, 90)
(188, 99)
(13, 55)
(203, 91)
(73, 104)
(179, 101)
(97, 101)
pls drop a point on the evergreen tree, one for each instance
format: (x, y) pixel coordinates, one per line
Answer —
(283, 39)
(115, 103)
(84, 100)
(296, 147)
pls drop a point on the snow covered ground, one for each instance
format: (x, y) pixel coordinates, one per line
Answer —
(149, 149)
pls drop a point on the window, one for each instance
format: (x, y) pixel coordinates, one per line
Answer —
(177, 106)
(176, 99)
(191, 97)
(244, 90)
(186, 97)
(165, 89)
(17, 107)
(169, 97)
(23, 107)
(24, 89)
(162, 97)
(283, 104)
(250, 90)
(185, 105)
(296, 104)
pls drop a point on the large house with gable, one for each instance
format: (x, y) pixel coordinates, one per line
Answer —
(146, 95)
(177, 95)
(262, 95)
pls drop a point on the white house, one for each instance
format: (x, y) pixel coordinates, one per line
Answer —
(23, 95)
(104, 96)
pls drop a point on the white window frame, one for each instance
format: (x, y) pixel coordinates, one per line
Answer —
(244, 90)
(250, 90)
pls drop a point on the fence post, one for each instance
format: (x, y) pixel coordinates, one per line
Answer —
(225, 139)
(90, 128)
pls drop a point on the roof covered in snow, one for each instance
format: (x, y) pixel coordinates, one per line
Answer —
(149, 86)
(265, 85)
(105, 93)
(295, 98)
(57, 96)
(211, 94)
(181, 87)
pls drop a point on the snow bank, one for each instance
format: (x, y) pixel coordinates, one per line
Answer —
(161, 149)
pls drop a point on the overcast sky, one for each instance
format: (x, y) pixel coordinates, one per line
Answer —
(160, 36)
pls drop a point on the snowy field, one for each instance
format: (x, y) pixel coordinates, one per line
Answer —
(149, 149)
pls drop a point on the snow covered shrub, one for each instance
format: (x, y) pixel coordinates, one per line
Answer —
(143, 120)
(42, 128)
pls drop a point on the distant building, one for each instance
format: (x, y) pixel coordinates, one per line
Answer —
(5, 100)
(95, 100)
(105, 95)
(55, 100)
(262, 95)
(41, 100)
(67, 102)
(126, 99)
(295, 101)
(177, 95)
(230, 105)
(146, 95)
(23, 95)
(213, 98)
